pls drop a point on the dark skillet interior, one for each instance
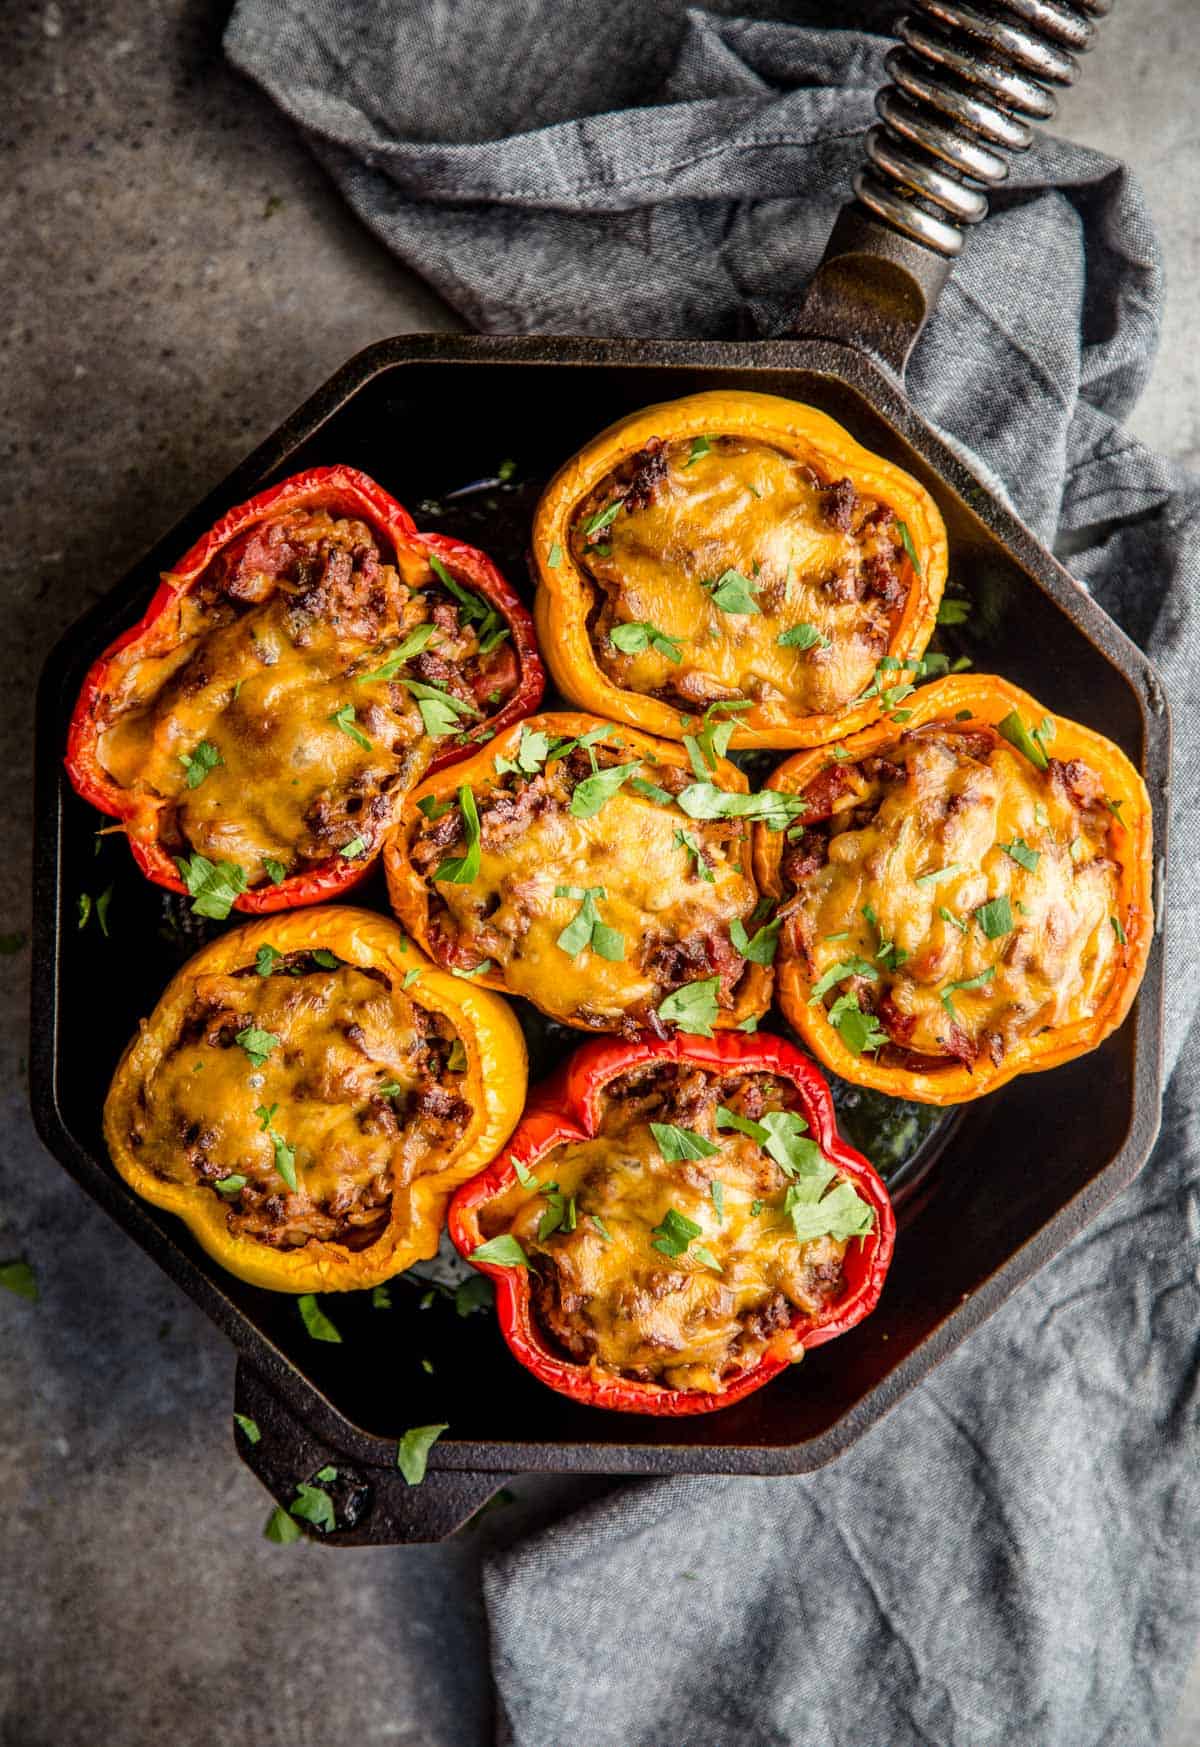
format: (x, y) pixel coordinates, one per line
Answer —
(977, 1189)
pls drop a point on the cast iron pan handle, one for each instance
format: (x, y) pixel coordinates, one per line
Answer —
(969, 78)
(374, 1505)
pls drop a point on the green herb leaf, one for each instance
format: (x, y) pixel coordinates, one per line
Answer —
(760, 947)
(433, 808)
(743, 1124)
(733, 592)
(841, 1214)
(1017, 734)
(638, 634)
(594, 791)
(776, 810)
(344, 719)
(84, 908)
(859, 1031)
(681, 1143)
(966, 983)
(264, 1114)
(604, 1233)
(231, 1185)
(906, 537)
(213, 886)
(693, 1008)
(1119, 930)
(265, 960)
(18, 1277)
(672, 1235)
(274, 870)
(703, 1254)
(323, 1475)
(199, 762)
(502, 1252)
(802, 637)
(412, 645)
(1019, 851)
(700, 446)
(651, 791)
(257, 1044)
(282, 1528)
(531, 755)
(476, 970)
(472, 608)
(750, 1023)
(312, 1504)
(586, 929)
(412, 1452)
(798, 1156)
(939, 874)
(248, 1426)
(837, 973)
(688, 841)
(717, 1192)
(554, 557)
(315, 1320)
(410, 977)
(456, 1061)
(460, 870)
(953, 611)
(381, 1298)
(285, 1159)
(995, 917)
(953, 920)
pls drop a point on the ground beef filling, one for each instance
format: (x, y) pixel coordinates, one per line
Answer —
(605, 1296)
(955, 893)
(318, 1070)
(251, 712)
(766, 580)
(666, 887)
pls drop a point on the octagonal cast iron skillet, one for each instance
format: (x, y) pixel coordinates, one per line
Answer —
(986, 1195)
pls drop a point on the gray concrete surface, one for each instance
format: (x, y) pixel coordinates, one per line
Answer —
(179, 274)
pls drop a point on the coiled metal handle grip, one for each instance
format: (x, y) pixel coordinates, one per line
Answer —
(969, 78)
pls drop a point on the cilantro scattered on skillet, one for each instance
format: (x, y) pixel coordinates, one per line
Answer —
(427, 1367)
(837, 973)
(531, 755)
(472, 609)
(257, 1044)
(676, 1143)
(381, 1298)
(954, 921)
(18, 1277)
(906, 537)
(412, 645)
(887, 953)
(1032, 744)
(460, 870)
(199, 762)
(688, 840)
(503, 1252)
(275, 871)
(231, 1185)
(802, 637)
(412, 1452)
(953, 611)
(326, 1474)
(281, 1528)
(733, 592)
(213, 885)
(594, 791)
(693, 1008)
(603, 518)
(440, 711)
(85, 908)
(432, 808)
(938, 874)
(995, 917)
(456, 1061)
(638, 634)
(760, 947)
(700, 446)
(474, 1294)
(265, 960)
(312, 1504)
(98, 907)
(674, 1232)
(586, 928)
(704, 800)
(1118, 930)
(966, 983)
(716, 1192)
(476, 970)
(249, 1427)
(554, 557)
(859, 1031)
(345, 720)
(315, 1319)
(1019, 851)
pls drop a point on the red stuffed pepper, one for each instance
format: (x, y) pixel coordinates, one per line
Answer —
(305, 663)
(673, 1223)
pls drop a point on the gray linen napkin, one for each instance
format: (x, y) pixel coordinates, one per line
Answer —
(1011, 1556)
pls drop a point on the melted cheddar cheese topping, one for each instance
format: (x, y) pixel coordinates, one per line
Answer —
(256, 726)
(340, 1070)
(808, 553)
(608, 1297)
(672, 922)
(975, 868)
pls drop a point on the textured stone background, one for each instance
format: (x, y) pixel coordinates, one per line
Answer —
(179, 275)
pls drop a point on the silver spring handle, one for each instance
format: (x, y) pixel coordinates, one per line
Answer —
(970, 77)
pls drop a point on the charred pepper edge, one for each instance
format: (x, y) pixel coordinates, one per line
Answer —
(564, 597)
(986, 699)
(568, 1108)
(341, 490)
(496, 1079)
(408, 892)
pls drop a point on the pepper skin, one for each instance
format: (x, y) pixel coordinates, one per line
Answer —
(494, 1081)
(342, 491)
(770, 434)
(966, 702)
(567, 1109)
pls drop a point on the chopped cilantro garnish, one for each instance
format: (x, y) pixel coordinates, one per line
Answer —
(472, 609)
(257, 1044)
(733, 592)
(688, 840)
(325, 959)
(841, 1214)
(596, 790)
(440, 711)
(953, 611)
(474, 1294)
(502, 1252)
(281, 1528)
(802, 637)
(199, 762)
(586, 929)
(412, 1452)
(651, 791)
(1017, 734)
(249, 1427)
(743, 1124)
(965, 983)
(995, 917)
(315, 1320)
(760, 947)
(456, 1061)
(674, 1232)
(344, 719)
(603, 518)
(554, 557)
(460, 870)
(213, 885)
(352, 850)
(887, 953)
(381, 1298)
(412, 645)
(477, 970)
(639, 634)
(750, 1023)
(1118, 930)
(265, 960)
(1019, 851)
(274, 870)
(410, 977)
(433, 808)
(231, 1185)
(837, 973)
(776, 810)
(602, 1229)
(681, 1143)
(938, 874)
(859, 1031)
(312, 1504)
(19, 1278)
(703, 1254)
(700, 446)
(952, 919)
(693, 1008)
(531, 755)
(907, 540)
(717, 1192)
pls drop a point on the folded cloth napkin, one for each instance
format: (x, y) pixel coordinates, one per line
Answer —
(1011, 1557)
